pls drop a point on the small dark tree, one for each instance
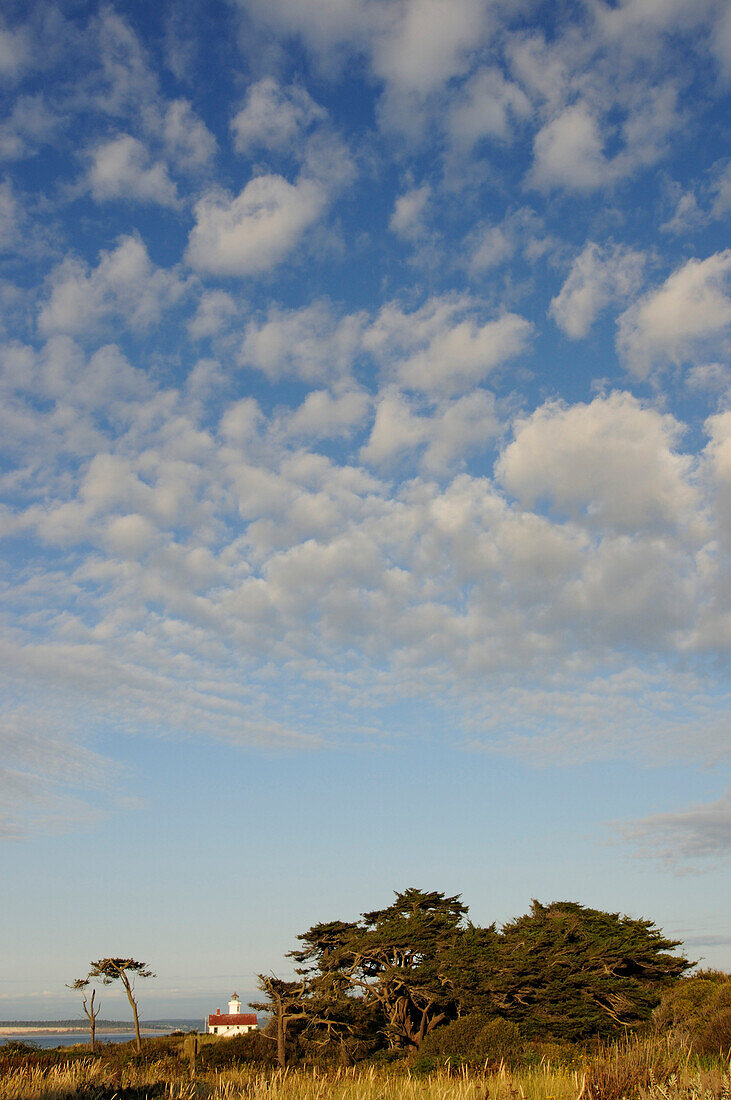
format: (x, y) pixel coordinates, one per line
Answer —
(112, 970)
(91, 1011)
(286, 1004)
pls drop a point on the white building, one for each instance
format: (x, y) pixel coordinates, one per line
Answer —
(233, 1022)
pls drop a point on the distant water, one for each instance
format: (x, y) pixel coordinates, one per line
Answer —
(71, 1038)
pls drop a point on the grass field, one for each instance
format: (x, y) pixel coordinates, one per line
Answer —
(633, 1072)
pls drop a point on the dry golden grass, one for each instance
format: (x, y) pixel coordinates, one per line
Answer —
(90, 1079)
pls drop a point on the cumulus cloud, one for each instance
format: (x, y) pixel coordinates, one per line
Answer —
(488, 105)
(569, 152)
(27, 127)
(612, 463)
(326, 415)
(412, 45)
(598, 277)
(255, 231)
(185, 138)
(687, 318)
(274, 117)
(125, 283)
(569, 149)
(213, 315)
(310, 343)
(444, 434)
(407, 219)
(444, 346)
(123, 169)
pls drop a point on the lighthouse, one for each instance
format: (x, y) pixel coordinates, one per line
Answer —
(233, 1022)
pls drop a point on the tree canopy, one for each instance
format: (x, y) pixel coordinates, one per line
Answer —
(562, 971)
(125, 971)
(572, 972)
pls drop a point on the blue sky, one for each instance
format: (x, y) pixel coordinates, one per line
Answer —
(366, 474)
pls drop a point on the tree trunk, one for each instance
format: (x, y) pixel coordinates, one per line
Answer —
(133, 1003)
(281, 1035)
(91, 1015)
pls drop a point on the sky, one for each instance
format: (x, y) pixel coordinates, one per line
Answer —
(365, 449)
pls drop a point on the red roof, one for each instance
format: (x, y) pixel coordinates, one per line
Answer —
(229, 1018)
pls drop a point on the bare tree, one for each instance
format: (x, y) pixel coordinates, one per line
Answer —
(112, 970)
(91, 1011)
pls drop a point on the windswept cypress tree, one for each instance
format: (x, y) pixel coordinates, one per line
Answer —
(571, 972)
(562, 971)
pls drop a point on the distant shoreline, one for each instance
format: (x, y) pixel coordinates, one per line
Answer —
(6, 1029)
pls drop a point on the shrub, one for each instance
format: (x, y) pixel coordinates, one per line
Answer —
(471, 1040)
(253, 1048)
(697, 1012)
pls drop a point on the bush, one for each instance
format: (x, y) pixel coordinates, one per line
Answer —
(697, 1012)
(253, 1048)
(471, 1040)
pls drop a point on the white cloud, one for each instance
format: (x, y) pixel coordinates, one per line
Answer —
(446, 432)
(718, 457)
(686, 318)
(722, 189)
(396, 429)
(711, 377)
(569, 152)
(325, 415)
(470, 423)
(213, 315)
(445, 345)
(123, 169)
(682, 837)
(28, 126)
(126, 84)
(10, 215)
(612, 463)
(407, 219)
(125, 283)
(15, 51)
(491, 248)
(186, 139)
(426, 42)
(256, 230)
(686, 216)
(598, 277)
(412, 45)
(274, 117)
(309, 343)
(488, 105)
(521, 232)
(45, 771)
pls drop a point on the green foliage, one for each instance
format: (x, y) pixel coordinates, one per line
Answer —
(404, 961)
(474, 1040)
(251, 1049)
(697, 1011)
(406, 973)
(569, 972)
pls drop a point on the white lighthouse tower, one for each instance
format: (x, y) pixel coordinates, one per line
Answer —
(233, 1022)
